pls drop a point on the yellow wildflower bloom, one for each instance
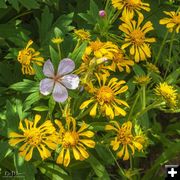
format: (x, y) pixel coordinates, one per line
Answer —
(100, 49)
(27, 57)
(130, 6)
(168, 93)
(42, 137)
(124, 142)
(172, 23)
(82, 34)
(71, 140)
(57, 40)
(135, 37)
(142, 80)
(105, 97)
(152, 68)
(121, 62)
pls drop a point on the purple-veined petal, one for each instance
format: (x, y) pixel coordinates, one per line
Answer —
(46, 86)
(48, 69)
(65, 66)
(71, 81)
(60, 93)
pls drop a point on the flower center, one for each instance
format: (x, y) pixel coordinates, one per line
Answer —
(70, 139)
(176, 19)
(105, 94)
(96, 45)
(124, 136)
(133, 3)
(25, 57)
(33, 136)
(137, 37)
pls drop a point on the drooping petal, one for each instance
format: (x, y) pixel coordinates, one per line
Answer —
(65, 66)
(60, 93)
(48, 69)
(67, 158)
(46, 86)
(88, 142)
(76, 153)
(29, 154)
(60, 157)
(70, 81)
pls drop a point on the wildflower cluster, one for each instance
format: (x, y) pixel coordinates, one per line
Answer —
(90, 88)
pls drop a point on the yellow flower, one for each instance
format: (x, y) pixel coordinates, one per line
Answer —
(105, 97)
(82, 35)
(57, 40)
(152, 68)
(71, 140)
(172, 23)
(168, 93)
(142, 80)
(100, 49)
(135, 37)
(124, 141)
(27, 57)
(121, 62)
(42, 137)
(130, 6)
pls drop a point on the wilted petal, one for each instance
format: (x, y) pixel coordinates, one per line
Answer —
(65, 66)
(48, 69)
(46, 86)
(60, 93)
(71, 81)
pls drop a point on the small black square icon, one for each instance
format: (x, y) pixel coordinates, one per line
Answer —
(172, 172)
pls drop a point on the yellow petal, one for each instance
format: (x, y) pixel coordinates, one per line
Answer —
(86, 103)
(60, 157)
(137, 145)
(126, 155)
(110, 127)
(76, 153)
(88, 142)
(93, 110)
(13, 142)
(37, 118)
(14, 134)
(109, 111)
(29, 154)
(87, 134)
(83, 127)
(119, 110)
(121, 152)
(67, 158)
(83, 152)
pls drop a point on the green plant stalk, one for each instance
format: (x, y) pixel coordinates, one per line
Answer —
(134, 104)
(170, 52)
(152, 106)
(143, 97)
(59, 50)
(161, 48)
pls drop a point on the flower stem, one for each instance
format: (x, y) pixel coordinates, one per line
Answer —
(143, 97)
(134, 104)
(170, 53)
(161, 47)
(59, 50)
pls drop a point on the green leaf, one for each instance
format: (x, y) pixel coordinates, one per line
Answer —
(167, 155)
(39, 71)
(4, 147)
(11, 116)
(41, 108)
(63, 23)
(138, 70)
(51, 105)
(54, 57)
(3, 4)
(27, 86)
(14, 4)
(76, 56)
(45, 25)
(25, 170)
(31, 99)
(98, 168)
(172, 78)
(29, 4)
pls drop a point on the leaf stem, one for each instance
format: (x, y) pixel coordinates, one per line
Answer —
(143, 97)
(170, 53)
(161, 47)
